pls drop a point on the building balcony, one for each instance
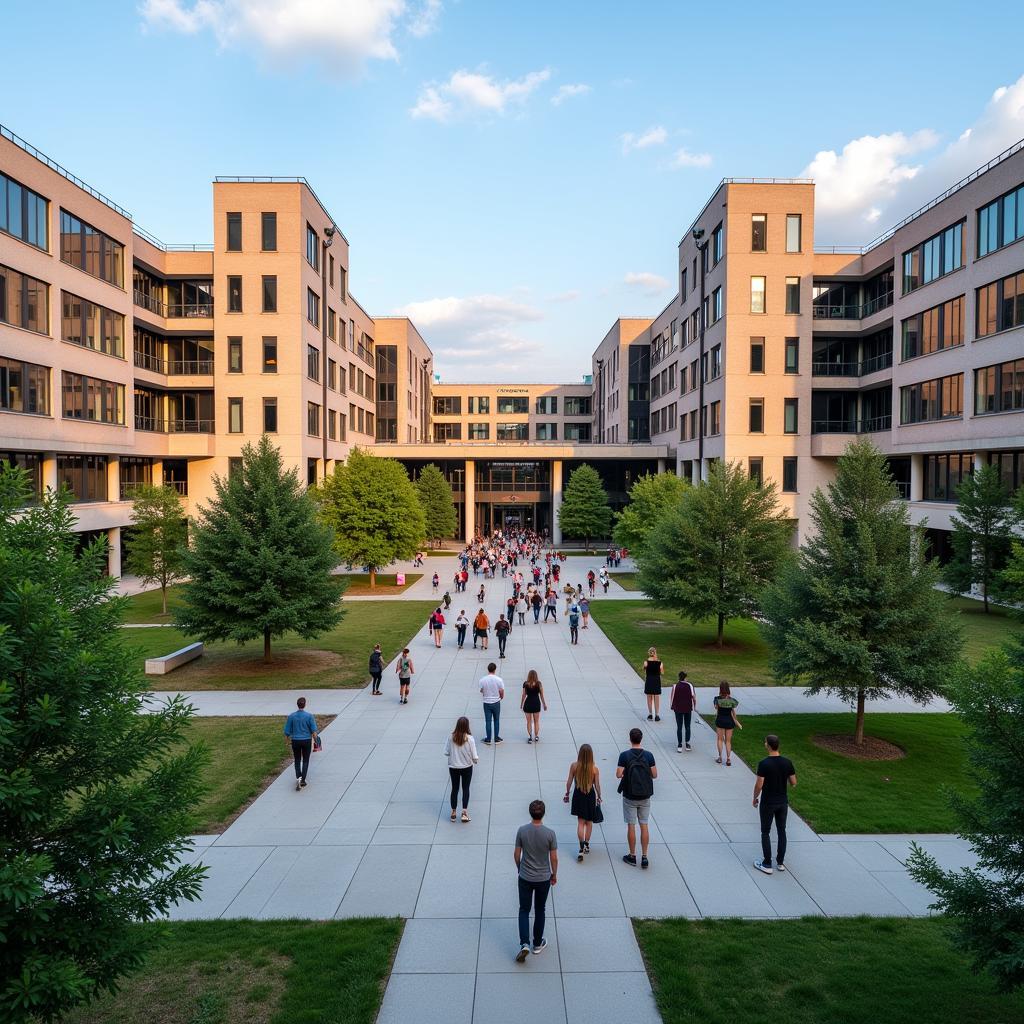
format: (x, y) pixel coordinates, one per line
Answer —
(855, 368)
(176, 425)
(847, 311)
(172, 367)
(869, 425)
(174, 310)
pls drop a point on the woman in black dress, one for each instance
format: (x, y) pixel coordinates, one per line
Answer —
(585, 777)
(530, 703)
(653, 670)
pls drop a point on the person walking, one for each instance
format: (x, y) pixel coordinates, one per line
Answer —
(437, 620)
(481, 625)
(404, 670)
(521, 607)
(530, 703)
(446, 600)
(460, 749)
(461, 622)
(536, 601)
(510, 611)
(481, 594)
(653, 671)
(636, 772)
(435, 582)
(574, 624)
(775, 774)
(725, 721)
(376, 669)
(536, 857)
(585, 611)
(585, 778)
(551, 608)
(492, 690)
(683, 701)
(502, 628)
(300, 732)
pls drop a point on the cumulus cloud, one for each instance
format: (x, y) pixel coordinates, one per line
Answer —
(468, 92)
(567, 92)
(646, 282)
(655, 136)
(684, 158)
(342, 34)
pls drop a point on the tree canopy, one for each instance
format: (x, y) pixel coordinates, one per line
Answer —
(650, 498)
(260, 561)
(585, 512)
(158, 538)
(438, 505)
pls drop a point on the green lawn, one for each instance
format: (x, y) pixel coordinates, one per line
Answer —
(358, 583)
(837, 794)
(626, 580)
(337, 658)
(816, 970)
(983, 632)
(257, 972)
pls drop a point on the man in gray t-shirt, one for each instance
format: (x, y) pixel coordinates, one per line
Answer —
(536, 857)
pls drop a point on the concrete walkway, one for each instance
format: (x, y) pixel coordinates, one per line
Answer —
(372, 835)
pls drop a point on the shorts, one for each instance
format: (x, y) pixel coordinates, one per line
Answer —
(404, 681)
(636, 810)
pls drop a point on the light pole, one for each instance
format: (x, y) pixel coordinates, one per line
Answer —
(327, 242)
(698, 234)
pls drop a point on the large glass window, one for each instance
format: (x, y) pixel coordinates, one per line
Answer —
(934, 258)
(791, 415)
(717, 245)
(757, 295)
(513, 406)
(937, 328)
(944, 473)
(999, 388)
(480, 405)
(270, 294)
(448, 405)
(23, 213)
(85, 476)
(576, 406)
(759, 232)
(269, 415)
(91, 326)
(579, 432)
(268, 232)
(793, 232)
(83, 246)
(1001, 222)
(479, 431)
(928, 400)
(234, 295)
(1001, 305)
(792, 294)
(195, 298)
(513, 431)
(24, 387)
(24, 301)
(234, 232)
(547, 431)
(547, 405)
(88, 398)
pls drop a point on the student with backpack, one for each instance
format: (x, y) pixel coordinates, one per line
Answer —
(683, 702)
(376, 669)
(437, 625)
(574, 624)
(636, 772)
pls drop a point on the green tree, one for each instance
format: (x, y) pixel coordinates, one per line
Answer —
(858, 614)
(260, 561)
(650, 498)
(585, 512)
(158, 539)
(712, 553)
(985, 905)
(96, 798)
(373, 510)
(1011, 578)
(435, 496)
(982, 532)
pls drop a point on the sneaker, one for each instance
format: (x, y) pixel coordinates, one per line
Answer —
(499, 740)
(679, 749)
(762, 867)
(540, 949)
(465, 816)
(629, 858)
(488, 742)
(579, 856)
(303, 783)
(780, 865)
(688, 747)
(529, 739)
(657, 718)
(586, 847)
(454, 814)
(650, 718)
(298, 784)
(524, 952)
(644, 862)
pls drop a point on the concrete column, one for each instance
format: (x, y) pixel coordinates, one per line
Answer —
(556, 500)
(49, 481)
(916, 477)
(661, 465)
(158, 472)
(469, 497)
(114, 552)
(113, 478)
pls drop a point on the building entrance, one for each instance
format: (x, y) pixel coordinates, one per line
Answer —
(519, 515)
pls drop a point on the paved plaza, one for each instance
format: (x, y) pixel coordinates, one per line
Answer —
(371, 834)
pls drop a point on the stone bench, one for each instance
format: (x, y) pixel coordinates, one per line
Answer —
(169, 662)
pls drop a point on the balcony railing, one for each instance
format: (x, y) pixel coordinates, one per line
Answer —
(868, 425)
(852, 311)
(183, 367)
(181, 486)
(854, 368)
(177, 425)
(364, 353)
(903, 489)
(181, 310)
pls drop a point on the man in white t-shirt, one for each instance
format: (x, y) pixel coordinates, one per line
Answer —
(492, 689)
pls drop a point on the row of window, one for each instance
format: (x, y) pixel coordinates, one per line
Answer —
(91, 250)
(24, 214)
(91, 325)
(24, 301)
(931, 400)
(755, 469)
(934, 258)
(268, 232)
(1001, 222)
(545, 405)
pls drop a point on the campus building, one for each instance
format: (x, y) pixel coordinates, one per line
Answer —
(124, 360)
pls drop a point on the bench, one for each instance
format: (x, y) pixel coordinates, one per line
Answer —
(169, 662)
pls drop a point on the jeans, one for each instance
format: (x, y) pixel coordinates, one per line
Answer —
(522, 618)
(465, 776)
(769, 813)
(536, 613)
(492, 713)
(461, 633)
(574, 634)
(502, 640)
(301, 750)
(552, 611)
(682, 719)
(537, 894)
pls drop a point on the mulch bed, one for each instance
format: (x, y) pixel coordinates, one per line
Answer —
(246, 663)
(873, 748)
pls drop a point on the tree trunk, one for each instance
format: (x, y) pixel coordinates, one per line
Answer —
(858, 729)
(721, 629)
(267, 656)
(373, 578)
(163, 594)
(984, 595)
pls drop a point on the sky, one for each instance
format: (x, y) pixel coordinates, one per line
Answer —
(513, 175)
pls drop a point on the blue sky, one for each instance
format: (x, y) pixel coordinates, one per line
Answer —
(513, 175)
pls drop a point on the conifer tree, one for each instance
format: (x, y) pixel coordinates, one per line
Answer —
(435, 496)
(585, 512)
(650, 498)
(158, 538)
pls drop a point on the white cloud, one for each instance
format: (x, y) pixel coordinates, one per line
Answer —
(568, 296)
(684, 158)
(342, 34)
(655, 136)
(646, 282)
(566, 92)
(468, 92)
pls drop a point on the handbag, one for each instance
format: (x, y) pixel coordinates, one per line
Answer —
(598, 814)
(318, 744)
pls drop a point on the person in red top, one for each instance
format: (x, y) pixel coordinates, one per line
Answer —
(438, 622)
(683, 702)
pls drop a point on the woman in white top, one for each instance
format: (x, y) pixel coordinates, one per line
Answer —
(460, 749)
(521, 608)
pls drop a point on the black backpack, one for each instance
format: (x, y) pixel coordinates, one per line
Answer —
(637, 781)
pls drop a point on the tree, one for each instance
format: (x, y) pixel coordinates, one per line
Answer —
(585, 512)
(260, 561)
(159, 537)
(438, 505)
(96, 798)
(1011, 578)
(712, 553)
(858, 614)
(985, 905)
(982, 531)
(650, 498)
(373, 511)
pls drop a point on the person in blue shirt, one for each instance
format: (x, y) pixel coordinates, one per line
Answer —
(300, 732)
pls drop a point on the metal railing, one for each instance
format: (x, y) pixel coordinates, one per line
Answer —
(181, 486)
(851, 368)
(849, 425)
(181, 310)
(903, 489)
(150, 302)
(153, 423)
(852, 310)
(181, 367)
(165, 247)
(188, 426)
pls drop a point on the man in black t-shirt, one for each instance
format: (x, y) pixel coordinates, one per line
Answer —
(775, 774)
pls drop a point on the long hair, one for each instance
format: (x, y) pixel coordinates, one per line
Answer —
(723, 689)
(532, 679)
(462, 730)
(584, 777)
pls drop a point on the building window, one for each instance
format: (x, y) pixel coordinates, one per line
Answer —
(332, 427)
(999, 223)
(24, 301)
(789, 475)
(757, 295)
(269, 415)
(999, 388)
(791, 415)
(234, 355)
(755, 470)
(682, 283)
(447, 432)
(234, 295)
(234, 232)
(579, 432)
(929, 400)
(332, 376)
(943, 474)
(312, 419)
(87, 398)
(792, 362)
(757, 416)
(312, 362)
(90, 325)
(480, 405)
(269, 293)
(312, 307)
(82, 246)
(1000, 305)
(757, 355)
(934, 258)
(343, 283)
(716, 305)
(937, 328)
(792, 294)
(85, 476)
(448, 405)
(332, 324)
(312, 248)
(24, 214)
(268, 232)
(717, 245)
(547, 431)
(576, 406)
(513, 406)
(759, 232)
(793, 231)
(24, 387)
(270, 355)
(513, 432)
(479, 431)
(234, 416)
(547, 405)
